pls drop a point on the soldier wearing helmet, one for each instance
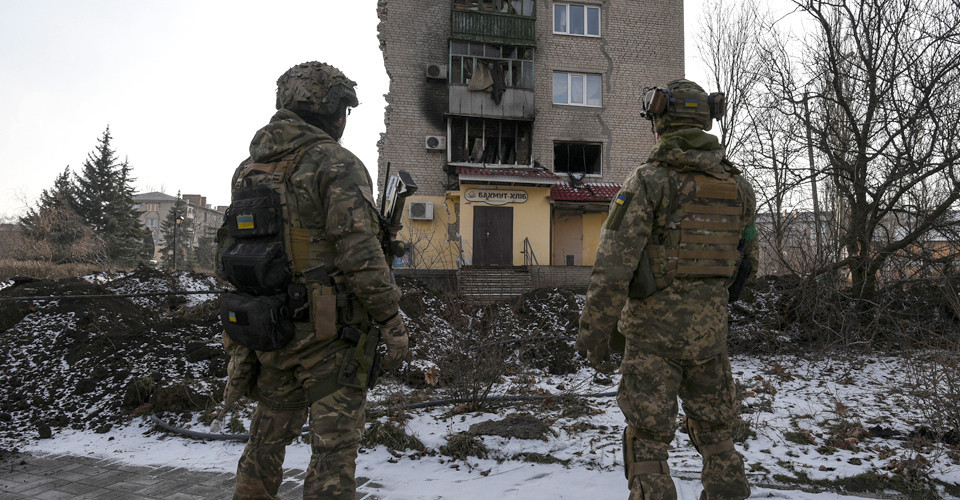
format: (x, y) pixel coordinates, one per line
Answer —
(301, 242)
(677, 245)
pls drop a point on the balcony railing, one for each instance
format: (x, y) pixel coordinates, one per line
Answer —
(492, 27)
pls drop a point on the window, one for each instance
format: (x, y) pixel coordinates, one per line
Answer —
(482, 140)
(577, 158)
(513, 62)
(577, 88)
(515, 7)
(573, 19)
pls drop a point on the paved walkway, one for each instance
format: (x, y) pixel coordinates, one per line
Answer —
(52, 477)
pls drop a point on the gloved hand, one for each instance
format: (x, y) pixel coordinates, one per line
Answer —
(596, 347)
(394, 335)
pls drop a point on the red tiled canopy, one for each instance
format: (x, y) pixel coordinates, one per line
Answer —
(536, 173)
(600, 191)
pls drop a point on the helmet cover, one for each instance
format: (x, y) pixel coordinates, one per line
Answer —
(315, 88)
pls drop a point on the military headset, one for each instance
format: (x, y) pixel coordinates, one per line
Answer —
(658, 101)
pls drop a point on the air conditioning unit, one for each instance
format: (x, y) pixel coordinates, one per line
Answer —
(421, 210)
(437, 71)
(435, 142)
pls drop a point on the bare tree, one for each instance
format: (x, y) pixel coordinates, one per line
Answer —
(727, 44)
(884, 115)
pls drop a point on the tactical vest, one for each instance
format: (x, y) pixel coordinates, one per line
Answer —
(704, 241)
(265, 253)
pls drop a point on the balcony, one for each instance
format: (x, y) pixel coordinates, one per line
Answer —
(492, 27)
(516, 104)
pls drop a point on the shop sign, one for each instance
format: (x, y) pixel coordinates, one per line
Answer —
(495, 196)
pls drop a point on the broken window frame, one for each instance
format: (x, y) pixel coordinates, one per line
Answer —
(587, 170)
(472, 140)
(518, 71)
(522, 8)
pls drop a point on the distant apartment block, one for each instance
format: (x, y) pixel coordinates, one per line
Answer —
(154, 207)
(519, 120)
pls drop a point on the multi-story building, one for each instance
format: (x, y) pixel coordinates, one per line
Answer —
(518, 120)
(154, 208)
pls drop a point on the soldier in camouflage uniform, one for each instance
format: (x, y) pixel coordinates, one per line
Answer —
(337, 255)
(678, 233)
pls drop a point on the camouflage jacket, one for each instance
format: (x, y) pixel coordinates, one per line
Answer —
(334, 199)
(688, 319)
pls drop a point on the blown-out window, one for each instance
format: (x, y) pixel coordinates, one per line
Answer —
(515, 63)
(489, 141)
(577, 157)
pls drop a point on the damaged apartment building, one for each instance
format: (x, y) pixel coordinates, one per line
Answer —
(518, 120)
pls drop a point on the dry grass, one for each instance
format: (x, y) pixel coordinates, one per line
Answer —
(44, 270)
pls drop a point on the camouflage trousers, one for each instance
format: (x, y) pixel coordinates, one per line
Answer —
(336, 426)
(648, 398)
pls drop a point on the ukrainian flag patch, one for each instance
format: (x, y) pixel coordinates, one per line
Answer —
(232, 317)
(691, 102)
(245, 222)
(621, 199)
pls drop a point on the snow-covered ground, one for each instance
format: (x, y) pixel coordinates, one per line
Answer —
(817, 420)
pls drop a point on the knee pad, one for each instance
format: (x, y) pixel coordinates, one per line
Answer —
(699, 430)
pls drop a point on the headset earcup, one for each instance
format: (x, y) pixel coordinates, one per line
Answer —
(718, 105)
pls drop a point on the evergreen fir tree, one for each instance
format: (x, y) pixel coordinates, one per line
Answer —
(104, 191)
(182, 233)
(56, 227)
(206, 249)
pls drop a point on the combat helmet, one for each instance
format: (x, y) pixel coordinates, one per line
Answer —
(315, 89)
(682, 104)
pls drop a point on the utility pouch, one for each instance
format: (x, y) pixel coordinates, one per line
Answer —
(254, 213)
(259, 322)
(356, 369)
(643, 284)
(256, 266)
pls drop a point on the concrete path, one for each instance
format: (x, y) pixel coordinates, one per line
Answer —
(52, 477)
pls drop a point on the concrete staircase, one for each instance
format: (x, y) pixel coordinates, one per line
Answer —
(482, 285)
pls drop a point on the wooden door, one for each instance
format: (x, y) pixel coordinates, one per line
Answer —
(492, 236)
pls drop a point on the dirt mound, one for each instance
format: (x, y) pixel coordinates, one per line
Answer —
(85, 361)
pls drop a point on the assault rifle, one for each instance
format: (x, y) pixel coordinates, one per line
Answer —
(395, 194)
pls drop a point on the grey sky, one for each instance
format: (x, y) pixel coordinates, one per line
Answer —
(183, 84)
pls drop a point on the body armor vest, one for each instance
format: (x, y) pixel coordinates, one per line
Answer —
(705, 241)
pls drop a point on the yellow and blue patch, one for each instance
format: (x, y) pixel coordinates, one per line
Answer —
(232, 317)
(621, 199)
(245, 222)
(691, 102)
